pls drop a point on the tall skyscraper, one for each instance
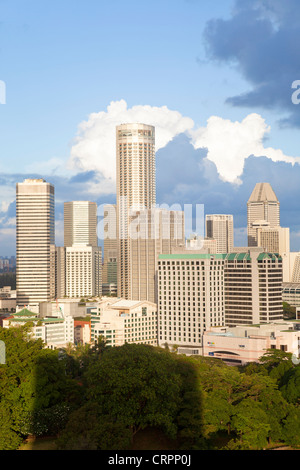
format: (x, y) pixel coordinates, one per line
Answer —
(80, 223)
(83, 257)
(262, 205)
(220, 228)
(35, 241)
(136, 189)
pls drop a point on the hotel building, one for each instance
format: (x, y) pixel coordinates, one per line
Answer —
(190, 297)
(197, 291)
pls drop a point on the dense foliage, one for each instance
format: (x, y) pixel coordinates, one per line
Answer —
(96, 397)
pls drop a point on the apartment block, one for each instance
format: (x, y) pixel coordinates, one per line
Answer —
(83, 257)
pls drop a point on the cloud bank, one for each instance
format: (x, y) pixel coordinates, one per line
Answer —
(94, 146)
(227, 143)
(261, 40)
(216, 165)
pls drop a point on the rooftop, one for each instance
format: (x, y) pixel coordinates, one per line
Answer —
(263, 192)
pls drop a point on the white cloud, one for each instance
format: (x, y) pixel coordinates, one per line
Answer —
(230, 143)
(94, 146)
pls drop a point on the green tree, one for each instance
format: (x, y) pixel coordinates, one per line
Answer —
(137, 386)
(32, 380)
(291, 427)
(274, 358)
(288, 311)
(251, 425)
(190, 414)
(88, 429)
(290, 385)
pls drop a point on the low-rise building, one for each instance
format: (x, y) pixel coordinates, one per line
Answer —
(82, 332)
(8, 299)
(243, 344)
(54, 332)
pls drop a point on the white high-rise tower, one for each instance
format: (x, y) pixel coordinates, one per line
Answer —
(35, 237)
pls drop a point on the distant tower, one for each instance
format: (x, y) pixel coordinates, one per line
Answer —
(262, 205)
(220, 228)
(80, 223)
(83, 257)
(35, 241)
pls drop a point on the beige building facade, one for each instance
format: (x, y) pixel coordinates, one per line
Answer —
(190, 297)
(83, 271)
(244, 344)
(253, 287)
(125, 321)
(156, 231)
(220, 228)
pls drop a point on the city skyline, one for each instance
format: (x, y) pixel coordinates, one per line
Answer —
(220, 124)
(149, 226)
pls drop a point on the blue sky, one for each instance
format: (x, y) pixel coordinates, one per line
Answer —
(174, 63)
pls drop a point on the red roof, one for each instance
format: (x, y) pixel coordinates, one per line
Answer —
(81, 323)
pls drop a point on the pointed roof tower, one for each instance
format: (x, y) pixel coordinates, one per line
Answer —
(263, 192)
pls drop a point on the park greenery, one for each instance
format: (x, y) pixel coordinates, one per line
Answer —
(99, 397)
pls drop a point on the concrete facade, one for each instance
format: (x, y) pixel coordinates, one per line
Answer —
(244, 344)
